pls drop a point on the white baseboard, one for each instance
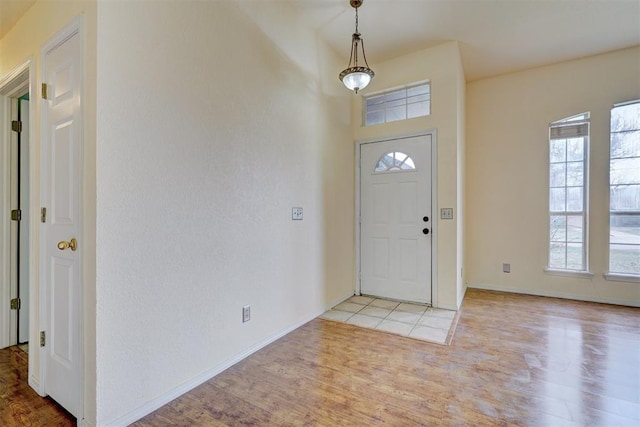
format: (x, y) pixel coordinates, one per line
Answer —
(553, 294)
(83, 423)
(446, 307)
(339, 300)
(34, 383)
(167, 397)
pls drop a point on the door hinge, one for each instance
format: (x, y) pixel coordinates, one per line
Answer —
(16, 126)
(15, 304)
(42, 339)
(43, 214)
(44, 91)
(16, 215)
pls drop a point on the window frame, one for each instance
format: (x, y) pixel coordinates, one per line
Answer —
(406, 98)
(570, 128)
(611, 274)
(395, 168)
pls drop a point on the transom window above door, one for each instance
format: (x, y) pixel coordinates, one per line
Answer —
(397, 104)
(395, 161)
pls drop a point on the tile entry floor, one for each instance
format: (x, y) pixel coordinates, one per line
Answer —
(410, 320)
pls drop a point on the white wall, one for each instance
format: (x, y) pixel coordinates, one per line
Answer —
(441, 65)
(507, 154)
(207, 135)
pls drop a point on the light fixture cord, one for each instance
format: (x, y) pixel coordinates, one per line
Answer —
(356, 39)
(356, 19)
(354, 52)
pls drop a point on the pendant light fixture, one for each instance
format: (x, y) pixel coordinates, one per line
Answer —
(356, 77)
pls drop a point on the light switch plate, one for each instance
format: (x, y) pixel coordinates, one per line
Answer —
(446, 213)
(296, 214)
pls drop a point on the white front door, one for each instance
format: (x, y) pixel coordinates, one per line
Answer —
(61, 239)
(395, 216)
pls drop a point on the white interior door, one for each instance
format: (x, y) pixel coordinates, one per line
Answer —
(395, 219)
(60, 233)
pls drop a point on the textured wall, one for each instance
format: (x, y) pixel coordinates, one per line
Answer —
(207, 135)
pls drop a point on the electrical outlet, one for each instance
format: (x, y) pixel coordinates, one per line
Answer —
(246, 313)
(446, 213)
(506, 268)
(296, 214)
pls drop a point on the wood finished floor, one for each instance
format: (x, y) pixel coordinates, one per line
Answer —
(514, 360)
(19, 404)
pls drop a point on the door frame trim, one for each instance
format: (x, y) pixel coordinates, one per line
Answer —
(434, 206)
(73, 28)
(18, 81)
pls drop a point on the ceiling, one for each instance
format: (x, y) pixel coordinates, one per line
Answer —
(495, 36)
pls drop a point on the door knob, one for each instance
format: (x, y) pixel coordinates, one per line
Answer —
(425, 219)
(425, 230)
(71, 244)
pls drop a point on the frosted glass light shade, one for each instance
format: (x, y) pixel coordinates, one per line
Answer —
(356, 78)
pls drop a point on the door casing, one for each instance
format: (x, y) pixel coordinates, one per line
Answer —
(16, 83)
(434, 206)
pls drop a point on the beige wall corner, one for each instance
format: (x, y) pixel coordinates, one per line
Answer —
(507, 174)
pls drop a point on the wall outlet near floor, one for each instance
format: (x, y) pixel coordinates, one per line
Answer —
(246, 313)
(506, 268)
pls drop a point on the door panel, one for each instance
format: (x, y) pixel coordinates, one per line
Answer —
(61, 327)
(61, 165)
(395, 253)
(380, 258)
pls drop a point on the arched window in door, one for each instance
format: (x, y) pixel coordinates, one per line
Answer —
(395, 161)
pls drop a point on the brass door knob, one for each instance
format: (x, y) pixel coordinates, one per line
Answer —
(71, 244)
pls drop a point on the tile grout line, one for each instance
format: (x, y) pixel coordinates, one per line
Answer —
(413, 325)
(398, 321)
(384, 318)
(417, 323)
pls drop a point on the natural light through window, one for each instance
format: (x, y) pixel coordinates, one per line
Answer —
(395, 161)
(398, 104)
(624, 189)
(568, 148)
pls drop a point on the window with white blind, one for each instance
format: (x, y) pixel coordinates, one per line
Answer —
(398, 104)
(624, 189)
(568, 153)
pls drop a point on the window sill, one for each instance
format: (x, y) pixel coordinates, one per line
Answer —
(619, 277)
(569, 273)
